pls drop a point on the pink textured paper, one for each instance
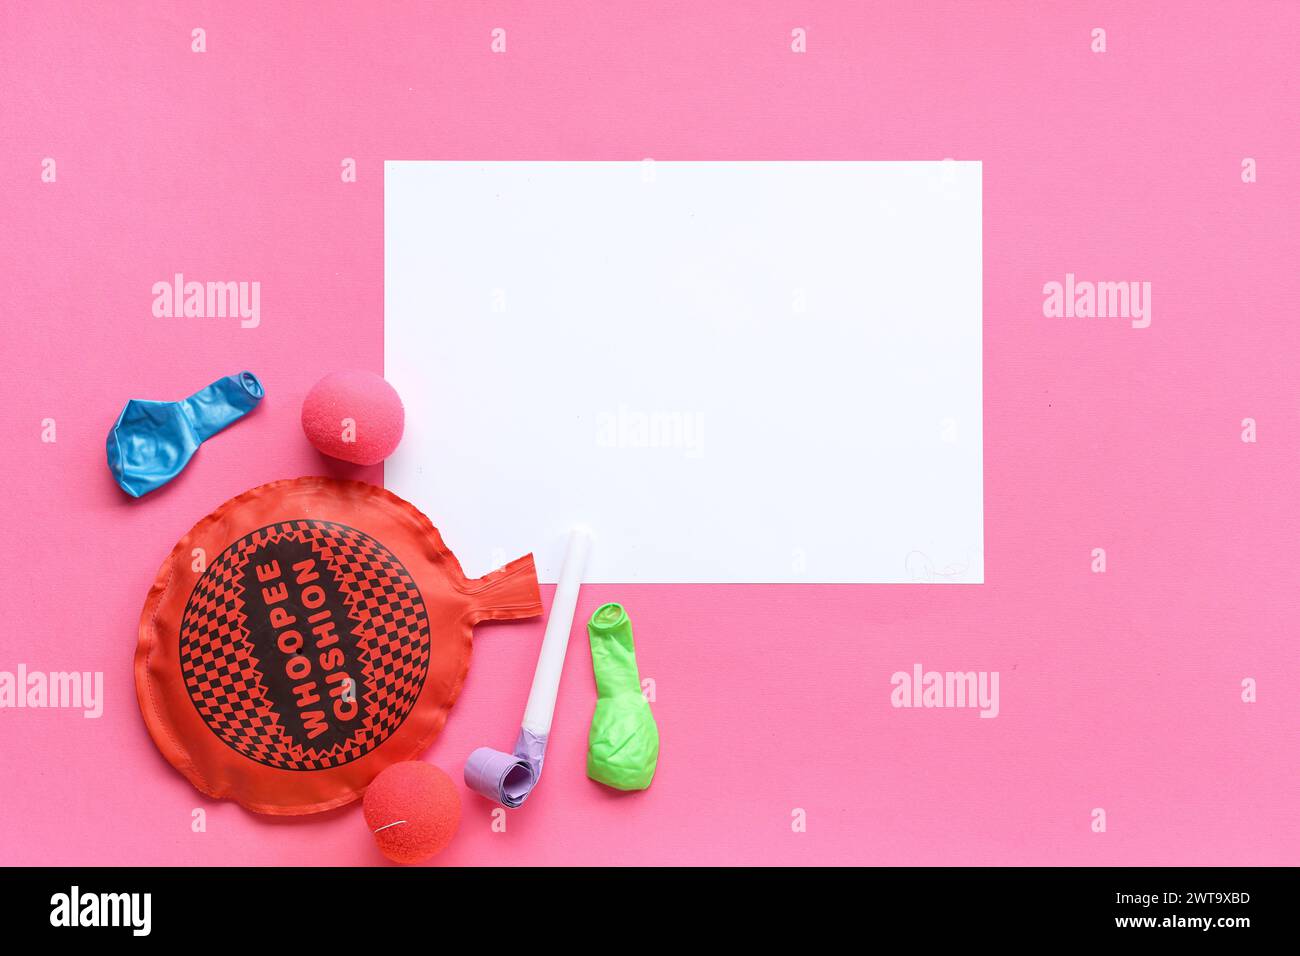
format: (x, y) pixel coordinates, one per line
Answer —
(1119, 691)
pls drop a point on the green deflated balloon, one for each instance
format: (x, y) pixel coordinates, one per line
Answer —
(623, 745)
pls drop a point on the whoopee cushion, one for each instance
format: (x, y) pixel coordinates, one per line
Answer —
(306, 635)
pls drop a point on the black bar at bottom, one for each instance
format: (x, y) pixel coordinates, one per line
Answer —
(334, 907)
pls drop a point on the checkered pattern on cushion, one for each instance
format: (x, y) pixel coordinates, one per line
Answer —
(223, 676)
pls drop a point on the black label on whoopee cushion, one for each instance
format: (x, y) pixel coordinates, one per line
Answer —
(301, 633)
(305, 645)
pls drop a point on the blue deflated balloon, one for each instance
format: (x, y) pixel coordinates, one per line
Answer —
(152, 441)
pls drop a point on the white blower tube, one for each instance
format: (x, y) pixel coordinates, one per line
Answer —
(540, 710)
(510, 778)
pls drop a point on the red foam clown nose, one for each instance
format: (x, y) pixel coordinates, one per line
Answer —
(306, 635)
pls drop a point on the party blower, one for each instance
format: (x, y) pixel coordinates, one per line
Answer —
(510, 778)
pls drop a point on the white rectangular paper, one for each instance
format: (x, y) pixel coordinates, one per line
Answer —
(733, 372)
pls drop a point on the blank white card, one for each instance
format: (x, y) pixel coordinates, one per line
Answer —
(733, 372)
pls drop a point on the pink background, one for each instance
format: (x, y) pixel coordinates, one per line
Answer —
(1119, 690)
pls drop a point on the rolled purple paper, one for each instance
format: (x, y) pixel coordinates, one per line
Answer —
(507, 778)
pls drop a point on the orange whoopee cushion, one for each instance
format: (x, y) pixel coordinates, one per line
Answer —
(306, 635)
